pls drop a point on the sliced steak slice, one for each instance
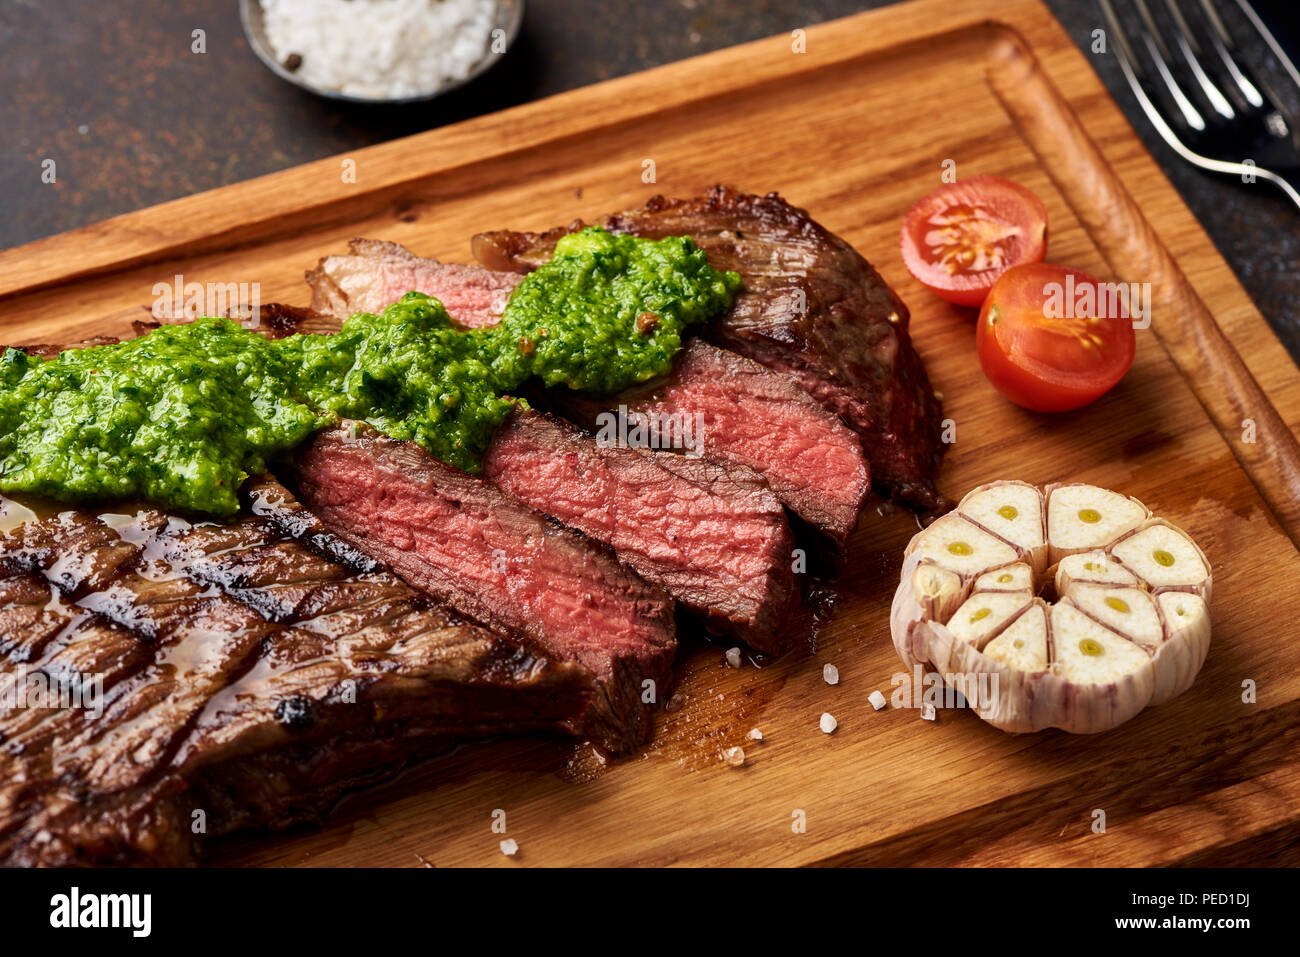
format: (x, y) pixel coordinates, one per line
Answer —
(811, 306)
(245, 673)
(503, 564)
(714, 537)
(754, 417)
(376, 273)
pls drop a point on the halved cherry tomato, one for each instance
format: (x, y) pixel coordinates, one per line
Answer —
(959, 239)
(1053, 339)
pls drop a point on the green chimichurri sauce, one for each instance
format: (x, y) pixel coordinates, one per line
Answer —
(608, 311)
(410, 373)
(183, 415)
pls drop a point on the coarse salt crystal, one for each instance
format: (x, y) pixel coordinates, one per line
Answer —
(509, 847)
(927, 711)
(828, 722)
(733, 657)
(877, 700)
(830, 674)
(756, 734)
(734, 756)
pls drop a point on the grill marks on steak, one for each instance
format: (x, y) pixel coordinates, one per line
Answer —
(503, 564)
(714, 537)
(754, 417)
(811, 306)
(229, 685)
(375, 274)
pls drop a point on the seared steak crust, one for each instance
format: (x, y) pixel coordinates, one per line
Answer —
(246, 673)
(811, 306)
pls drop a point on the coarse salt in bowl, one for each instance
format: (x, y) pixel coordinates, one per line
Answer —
(381, 49)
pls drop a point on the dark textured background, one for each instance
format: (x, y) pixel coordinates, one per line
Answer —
(112, 92)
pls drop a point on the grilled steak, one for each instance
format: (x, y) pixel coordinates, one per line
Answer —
(501, 563)
(753, 416)
(713, 537)
(811, 306)
(251, 671)
(376, 273)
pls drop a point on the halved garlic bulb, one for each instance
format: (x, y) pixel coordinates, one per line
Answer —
(1129, 626)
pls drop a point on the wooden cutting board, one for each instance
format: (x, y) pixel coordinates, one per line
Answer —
(854, 128)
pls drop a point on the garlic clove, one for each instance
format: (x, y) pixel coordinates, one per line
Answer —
(1099, 679)
(984, 613)
(957, 545)
(1013, 511)
(1084, 517)
(1126, 610)
(1094, 566)
(1015, 577)
(1088, 653)
(927, 594)
(1163, 556)
(937, 590)
(1022, 645)
(1187, 626)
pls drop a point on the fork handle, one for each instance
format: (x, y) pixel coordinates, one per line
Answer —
(1287, 180)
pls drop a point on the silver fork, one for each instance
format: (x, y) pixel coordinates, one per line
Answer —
(1227, 123)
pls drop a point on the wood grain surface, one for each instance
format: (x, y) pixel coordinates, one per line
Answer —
(854, 129)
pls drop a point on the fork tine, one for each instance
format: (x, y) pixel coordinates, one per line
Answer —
(1149, 21)
(1255, 92)
(1127, 53)
(1190, 48)
(1223, 45)
(1132, 69)
(1273, 45)
(1155, 45)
